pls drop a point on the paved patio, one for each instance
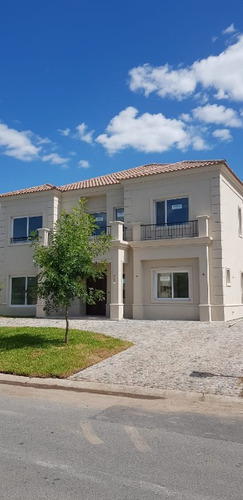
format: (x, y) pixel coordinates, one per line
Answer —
(166, 354)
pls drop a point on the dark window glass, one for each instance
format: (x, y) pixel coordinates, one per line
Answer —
(181, 285)
(177, 211)
(18, 292)
(100, 222)
(21, 295)
(31, 290)
(20, 229)
(160, 213)
(34, 224)
(124, 287)
(119, 214)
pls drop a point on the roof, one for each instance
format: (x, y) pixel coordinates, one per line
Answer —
(142, 171)
(36, 189)
(118, 177)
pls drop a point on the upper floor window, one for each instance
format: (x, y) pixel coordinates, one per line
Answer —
(23, 291)
(25, 227)
(100, 222)
(171, 211)
(119, 214)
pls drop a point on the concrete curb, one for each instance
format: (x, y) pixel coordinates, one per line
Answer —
(119, 390)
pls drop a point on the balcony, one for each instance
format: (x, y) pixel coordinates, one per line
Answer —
(187, 229)
(102, 229)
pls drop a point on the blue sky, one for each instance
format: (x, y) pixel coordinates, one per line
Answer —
(90, 87)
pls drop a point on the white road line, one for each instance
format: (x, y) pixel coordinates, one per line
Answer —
(137, 440)
(89, 434)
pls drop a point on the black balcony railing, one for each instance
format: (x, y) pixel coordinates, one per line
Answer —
(186, 229)
(102, 229)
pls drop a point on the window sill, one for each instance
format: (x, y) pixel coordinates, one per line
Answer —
(22, 305)
(159, 300)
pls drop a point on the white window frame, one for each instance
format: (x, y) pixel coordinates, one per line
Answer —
(171, 270)
(180, 197)
(227, 276)
(23, 217)
(26, 288)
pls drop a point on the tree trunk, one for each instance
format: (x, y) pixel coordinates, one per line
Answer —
(67, 326)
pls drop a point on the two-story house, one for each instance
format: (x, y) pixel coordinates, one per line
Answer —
(177, 250)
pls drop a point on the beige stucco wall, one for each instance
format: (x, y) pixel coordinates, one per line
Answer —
(232, 248)
(104, 199)
(140, 194)
(187, 254)
(170, 309)
(17, 258)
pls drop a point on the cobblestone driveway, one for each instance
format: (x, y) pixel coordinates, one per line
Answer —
(165, 353)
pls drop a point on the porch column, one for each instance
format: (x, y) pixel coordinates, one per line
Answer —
(117, 230)
(137, 307)
(204, 285)
(44, 240)
(116, 305)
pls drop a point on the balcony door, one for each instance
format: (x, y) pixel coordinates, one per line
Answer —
(170, 212)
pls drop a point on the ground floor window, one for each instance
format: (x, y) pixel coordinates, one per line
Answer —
(23, 291)
(171, 285)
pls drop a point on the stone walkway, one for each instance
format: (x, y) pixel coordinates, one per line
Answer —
(165, 355)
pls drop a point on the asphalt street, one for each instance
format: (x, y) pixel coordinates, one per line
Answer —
(65, 445)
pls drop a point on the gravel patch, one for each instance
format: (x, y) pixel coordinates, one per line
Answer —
(165, 355)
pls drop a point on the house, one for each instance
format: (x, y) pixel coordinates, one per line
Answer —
(177, 250)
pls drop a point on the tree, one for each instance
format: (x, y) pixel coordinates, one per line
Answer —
(71, 258)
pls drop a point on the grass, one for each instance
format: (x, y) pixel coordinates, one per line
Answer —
(41, 352)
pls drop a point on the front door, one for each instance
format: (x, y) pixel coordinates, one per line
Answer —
(98, 309)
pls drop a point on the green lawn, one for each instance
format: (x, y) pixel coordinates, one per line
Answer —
(41, 352)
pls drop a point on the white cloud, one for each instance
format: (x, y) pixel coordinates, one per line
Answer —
(43, 140)
(223, 135)
(148, 133)
(83, 135)
(185, 117)
(55, 159)
(213, 113)
(65, 132)
(163, 80)
(223, 73)
(230, 29)
(17, 144)
(83, 164)
(198, 142)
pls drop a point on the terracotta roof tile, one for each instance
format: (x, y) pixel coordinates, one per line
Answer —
(36, 189)
(142, 171)
(118, 177)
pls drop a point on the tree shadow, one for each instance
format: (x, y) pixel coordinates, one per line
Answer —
(23, 340)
